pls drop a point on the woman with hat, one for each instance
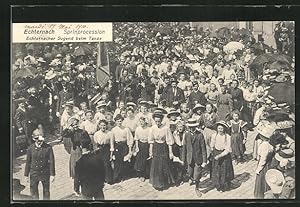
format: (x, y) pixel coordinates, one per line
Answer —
(121, 145)
(198, 111)
(142, 149)
(161, 141)
(224, 103)
(89, 125)
(172, 116)
(222, 170)
(102, 140)
(75, 134)
(143, 112)
(270, 144)
(238, 133)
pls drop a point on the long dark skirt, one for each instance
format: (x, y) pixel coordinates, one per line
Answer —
(141, 162)
(160, 173)
(261, 185)
(74, 157)
(104, 152)
(121, 150)
(222, 170)
(238, 148)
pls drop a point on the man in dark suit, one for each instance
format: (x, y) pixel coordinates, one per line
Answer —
(21, 120)
(90, 173)
(194, 153)
(174, 96)
(40, 165)
(196, 96)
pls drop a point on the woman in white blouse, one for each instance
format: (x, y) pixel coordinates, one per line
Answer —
(222, 170)
(121, 143)
(161, 141)
(142, 149)
(89, 125)
(102, 141)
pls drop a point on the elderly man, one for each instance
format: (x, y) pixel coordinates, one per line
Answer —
(40, 165)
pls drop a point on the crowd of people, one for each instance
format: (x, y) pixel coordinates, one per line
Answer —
(178, 107)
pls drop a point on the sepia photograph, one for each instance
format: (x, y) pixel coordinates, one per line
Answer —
(201, 110)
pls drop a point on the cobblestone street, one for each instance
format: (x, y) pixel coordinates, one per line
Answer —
(62, 188)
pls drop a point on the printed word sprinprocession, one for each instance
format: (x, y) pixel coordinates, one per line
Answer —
(77, 32)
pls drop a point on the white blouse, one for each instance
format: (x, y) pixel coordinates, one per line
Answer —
(263, 152)
(141, 134)
(122, 135)
(221, 142)
(102, 137)
(161, 135)
(89, 126)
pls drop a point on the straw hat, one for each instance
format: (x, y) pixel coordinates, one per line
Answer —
(275, 180)
(144, 103)
(192, 122)
(222, 123)
(72, 119)
(101, 104)
(285, 154)
(197, 107)
(69, 103)
(131, 104)
(160, 108)
(173, 112)
(266, 128)
(158, 114)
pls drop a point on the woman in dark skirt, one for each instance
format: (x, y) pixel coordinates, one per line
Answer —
(142, 148)
(121, 144)
(75, 134)
(102, 141)
(161, 141)
(222, 169)
(270, 144)
(238, 133)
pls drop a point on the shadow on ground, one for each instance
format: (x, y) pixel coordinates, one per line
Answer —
(235, 183)
(17, 163)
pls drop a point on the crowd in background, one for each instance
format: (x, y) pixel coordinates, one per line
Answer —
(169, 85)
